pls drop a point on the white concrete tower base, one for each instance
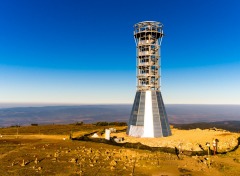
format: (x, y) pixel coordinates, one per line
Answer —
(148, 118)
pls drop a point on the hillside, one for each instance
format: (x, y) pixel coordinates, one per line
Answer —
(52, 153)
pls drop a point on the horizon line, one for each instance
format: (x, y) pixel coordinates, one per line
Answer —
(44, 104)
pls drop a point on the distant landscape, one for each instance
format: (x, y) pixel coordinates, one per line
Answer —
(33, 148)
(177, 114)
(63, 114)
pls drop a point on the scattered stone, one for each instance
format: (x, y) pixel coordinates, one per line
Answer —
(113, 130)
(95, 135)
(36, 161)
(113, 163)
(54, 159)
(97, 154)
(73, 160)
(108, 157)
(120, 139)
(79, 172)
(56, 154)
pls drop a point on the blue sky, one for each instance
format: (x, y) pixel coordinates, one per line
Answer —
(83, 52)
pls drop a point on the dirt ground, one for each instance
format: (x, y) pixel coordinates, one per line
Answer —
(52, 155)
(191, 140)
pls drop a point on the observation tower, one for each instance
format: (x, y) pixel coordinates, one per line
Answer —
(148, 117)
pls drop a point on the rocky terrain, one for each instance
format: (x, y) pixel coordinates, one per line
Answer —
(190, 140)
(55, 154)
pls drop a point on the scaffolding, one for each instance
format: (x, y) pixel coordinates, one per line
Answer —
(148, 36)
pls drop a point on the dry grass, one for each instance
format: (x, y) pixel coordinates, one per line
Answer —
(96, 158)
(54, 131)
(48, 129)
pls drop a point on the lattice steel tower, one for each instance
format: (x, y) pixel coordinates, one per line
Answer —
(148, 117)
